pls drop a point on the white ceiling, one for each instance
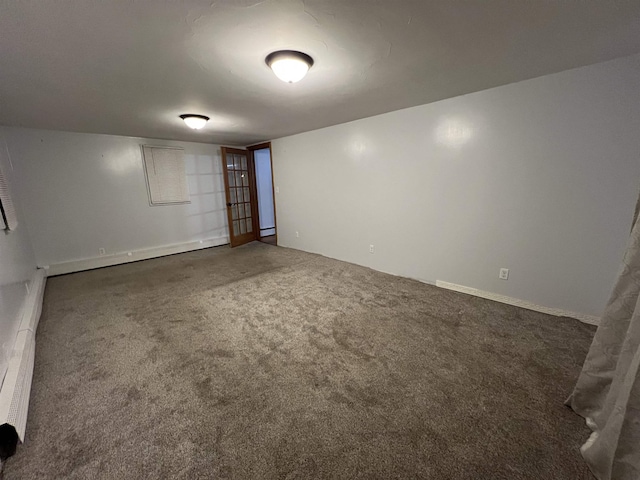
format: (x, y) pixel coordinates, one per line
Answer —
(131, 67)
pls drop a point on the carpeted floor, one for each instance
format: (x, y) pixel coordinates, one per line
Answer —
(271, 240)
(265, 362)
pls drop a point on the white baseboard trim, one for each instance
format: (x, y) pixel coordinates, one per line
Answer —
(590, 319)
(133, 256)
(16, 387)
(33, 309)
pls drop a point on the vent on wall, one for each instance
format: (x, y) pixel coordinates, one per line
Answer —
(8, 219)
(166, 175)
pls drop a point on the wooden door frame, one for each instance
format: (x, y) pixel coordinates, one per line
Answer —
(253, 148)
(253, 194)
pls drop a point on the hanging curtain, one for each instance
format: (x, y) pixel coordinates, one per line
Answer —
(607, 394)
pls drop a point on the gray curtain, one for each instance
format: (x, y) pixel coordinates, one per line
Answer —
(608, 390)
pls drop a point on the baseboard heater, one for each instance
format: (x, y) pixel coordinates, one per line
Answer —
(16, 387)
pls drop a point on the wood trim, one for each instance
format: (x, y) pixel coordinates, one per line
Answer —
(260, 146)
(273, 193)
(253, 192)
(238, 151)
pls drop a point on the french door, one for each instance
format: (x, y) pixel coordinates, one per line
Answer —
(240, 190)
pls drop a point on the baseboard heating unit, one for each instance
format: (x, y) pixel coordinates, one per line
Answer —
(16, 386)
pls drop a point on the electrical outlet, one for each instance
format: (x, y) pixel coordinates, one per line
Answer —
(370, 248)
(277, 189)
(102, 251)
(297, 234)
(504, 274)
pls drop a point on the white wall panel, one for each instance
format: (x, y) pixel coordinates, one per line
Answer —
(539, 177)
(83, 192)
(17, 267)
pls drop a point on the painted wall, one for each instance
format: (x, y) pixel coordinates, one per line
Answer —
(540, 177)
(82, 192)
(17, 266)
(264, 183)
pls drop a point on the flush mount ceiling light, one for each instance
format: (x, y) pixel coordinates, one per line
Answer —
(289, 65)
(194, 121)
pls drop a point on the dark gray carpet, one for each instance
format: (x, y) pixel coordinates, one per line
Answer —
(265, 362)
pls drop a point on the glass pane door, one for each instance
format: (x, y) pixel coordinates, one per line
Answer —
(240, 188)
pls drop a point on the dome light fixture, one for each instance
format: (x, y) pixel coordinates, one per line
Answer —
(194, 121)
(289, 65)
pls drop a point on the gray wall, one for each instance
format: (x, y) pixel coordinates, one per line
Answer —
(17, 266)
(82, 192)
(540, 177)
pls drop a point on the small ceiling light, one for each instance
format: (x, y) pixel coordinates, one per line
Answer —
(194, 121)
(289, 65)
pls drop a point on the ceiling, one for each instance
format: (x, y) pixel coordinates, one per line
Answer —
(131, 67)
